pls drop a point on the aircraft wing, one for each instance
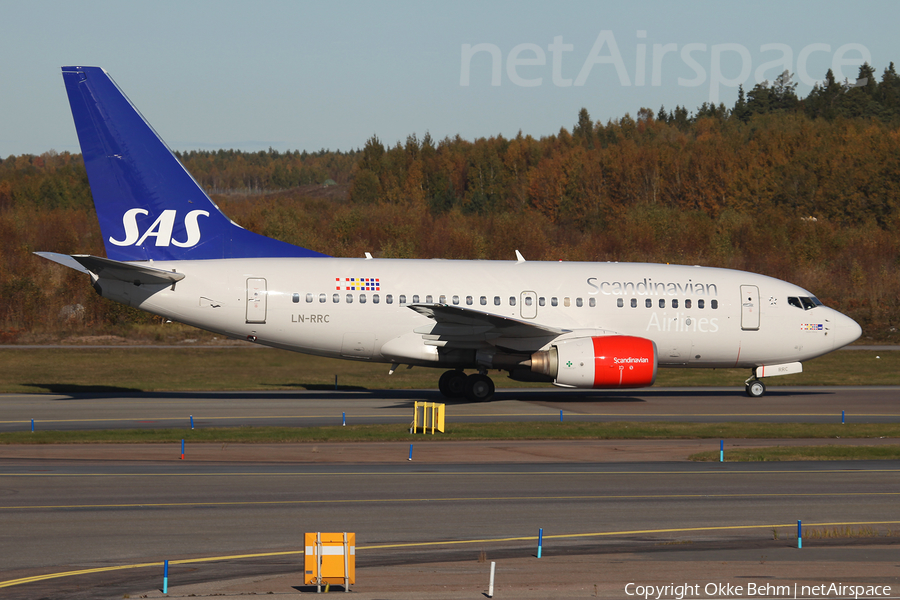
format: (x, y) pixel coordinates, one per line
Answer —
(113, 269)
(458, 324)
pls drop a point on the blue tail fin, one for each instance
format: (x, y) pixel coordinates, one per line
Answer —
(149, 206)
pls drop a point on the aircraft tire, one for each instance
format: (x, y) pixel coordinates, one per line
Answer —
(479, 388)
(756, 389)
(452, 384)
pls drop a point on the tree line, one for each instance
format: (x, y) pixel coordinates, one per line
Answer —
(803, 189)
(830, 155)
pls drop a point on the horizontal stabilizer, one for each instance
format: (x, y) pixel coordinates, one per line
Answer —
(105, 268)
(65, 260)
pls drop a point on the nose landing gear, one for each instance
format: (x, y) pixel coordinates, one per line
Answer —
(754, 387)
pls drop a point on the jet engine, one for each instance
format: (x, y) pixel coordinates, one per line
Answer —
(601, 362)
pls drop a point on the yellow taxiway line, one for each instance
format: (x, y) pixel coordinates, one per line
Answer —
(35, 578)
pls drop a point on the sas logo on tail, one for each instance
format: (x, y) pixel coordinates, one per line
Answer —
(161, 229)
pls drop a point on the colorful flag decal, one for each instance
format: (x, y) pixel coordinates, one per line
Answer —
(358, 284)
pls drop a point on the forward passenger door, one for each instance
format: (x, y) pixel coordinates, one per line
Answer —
(749, 308)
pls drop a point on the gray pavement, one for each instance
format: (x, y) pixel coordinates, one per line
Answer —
(613, 512)
(869, 404)
(434, 515)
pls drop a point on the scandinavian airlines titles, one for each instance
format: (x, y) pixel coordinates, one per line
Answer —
(648, 287)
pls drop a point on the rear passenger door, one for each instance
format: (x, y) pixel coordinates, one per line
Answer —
(256, 300)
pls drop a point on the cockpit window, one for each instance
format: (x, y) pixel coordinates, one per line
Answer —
(804, 302)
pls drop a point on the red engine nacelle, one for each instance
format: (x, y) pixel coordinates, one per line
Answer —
(610, 361)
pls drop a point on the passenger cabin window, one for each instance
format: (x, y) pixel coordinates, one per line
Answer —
(648, 303)
(554, 301)
(541, 301)
(469, 300)
(428, 299)
(443, 299)
(566, 302)
(579, 302)
(634, 303)
(349, 298)
(662, 302)
(675, 303)
(296, 298)
(402, 298)
(362, 298)
(483, 300)
(496, 300)
(529, 301)
(592, 302)
(512, 300)
(714, 304)
(455, 299)
(321, 297)
(336, 298)
(309, 297)
(620, 303)
(700, 303)
(389, 299)
(415, 298)
(376, 298)
(687, 303)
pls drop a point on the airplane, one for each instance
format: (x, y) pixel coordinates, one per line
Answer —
(590, 325)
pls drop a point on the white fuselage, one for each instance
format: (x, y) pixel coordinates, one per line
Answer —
(171, 251)
(357, 308)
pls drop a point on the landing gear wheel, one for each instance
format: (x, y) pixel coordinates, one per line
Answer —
(479, 388)
(453, 384)
(755, 388)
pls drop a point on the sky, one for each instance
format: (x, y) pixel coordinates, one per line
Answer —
(311, 75)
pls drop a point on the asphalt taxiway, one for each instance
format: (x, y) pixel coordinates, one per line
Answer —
(231, 517)
(224, 521)
(327, 407)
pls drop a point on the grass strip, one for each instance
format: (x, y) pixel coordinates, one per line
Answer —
(794, 453)
(135, 370)
(615, 430)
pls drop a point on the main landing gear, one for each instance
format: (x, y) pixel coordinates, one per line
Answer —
(754, 387)
(477, 387)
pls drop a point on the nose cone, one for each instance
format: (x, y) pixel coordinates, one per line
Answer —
(845, 330)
